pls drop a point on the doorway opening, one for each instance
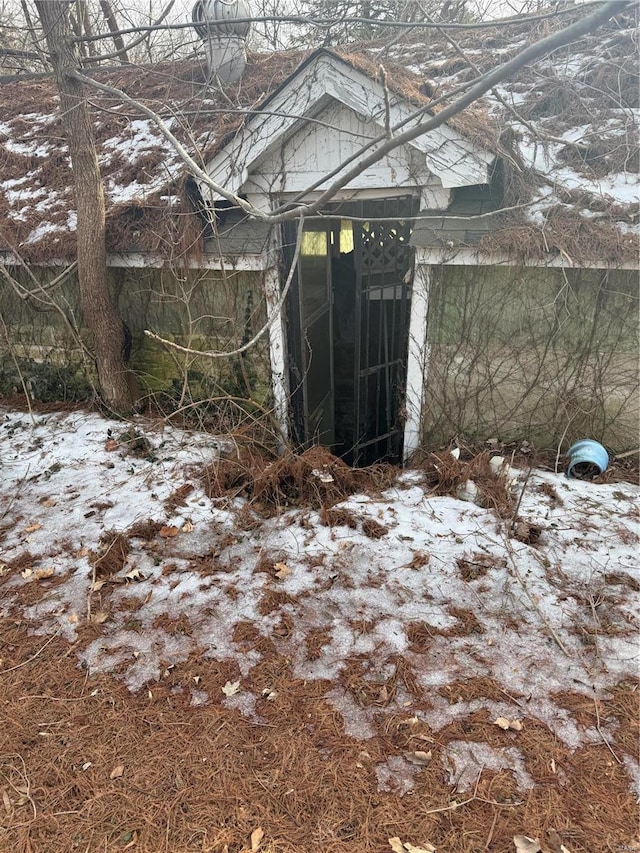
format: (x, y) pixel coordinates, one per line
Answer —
(348, 321)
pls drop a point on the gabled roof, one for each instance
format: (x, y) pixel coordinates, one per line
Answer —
(566, 130)
(448, 153)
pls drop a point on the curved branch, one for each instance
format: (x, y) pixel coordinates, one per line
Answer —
(179, 148)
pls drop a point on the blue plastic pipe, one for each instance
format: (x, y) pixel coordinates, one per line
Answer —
(587, 459)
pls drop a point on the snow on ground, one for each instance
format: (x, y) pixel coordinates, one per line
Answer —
(441, 587)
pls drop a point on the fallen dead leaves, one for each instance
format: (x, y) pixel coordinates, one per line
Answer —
(418, 757)
(231, 688)
(169, 531)
(281, 570)
(100, 617)
(37, 574)
(256, 839)
(525, 844)
(506, 724)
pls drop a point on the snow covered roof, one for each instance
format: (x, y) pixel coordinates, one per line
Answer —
(147, 201)
(566, 130)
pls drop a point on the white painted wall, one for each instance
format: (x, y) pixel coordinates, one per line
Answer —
(444, 152)
(277, 351)
(335, 136)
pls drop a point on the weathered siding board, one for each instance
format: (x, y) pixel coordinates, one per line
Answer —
(444, 152)
(313, 152)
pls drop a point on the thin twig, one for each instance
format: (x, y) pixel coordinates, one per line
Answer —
(493, 826)
(25, 389)
(53, 698)
(601, 733)
(33, 657)
(562, 438)
(26, 788)
(516, 571)
(455, 805)
(16, 494)
(520, 496)
(271, 319)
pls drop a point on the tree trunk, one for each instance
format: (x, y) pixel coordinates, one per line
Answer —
(110, 18)
(99, 312)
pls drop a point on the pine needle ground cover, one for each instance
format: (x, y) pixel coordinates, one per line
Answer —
(204, 650)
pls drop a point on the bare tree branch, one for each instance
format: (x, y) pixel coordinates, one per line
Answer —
(116, 35)
(184, 155)
(508, 69)
(135, 42)
(384, 144)
(327, 22)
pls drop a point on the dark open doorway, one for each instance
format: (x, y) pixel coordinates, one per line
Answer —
(348, 319)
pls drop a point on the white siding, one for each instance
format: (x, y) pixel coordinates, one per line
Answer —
(335, 135)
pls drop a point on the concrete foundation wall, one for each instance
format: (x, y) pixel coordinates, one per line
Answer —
(536, 354)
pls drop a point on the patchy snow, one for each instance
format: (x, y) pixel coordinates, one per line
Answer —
(465, 761)
(123, 193)
(396, 774)
(44, 230)
(621, 188)
(403, 596)
(140, 137)
(28, 149)
(25, 194)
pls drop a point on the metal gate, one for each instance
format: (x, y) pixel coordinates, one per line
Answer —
(383, 262)
(378, 273)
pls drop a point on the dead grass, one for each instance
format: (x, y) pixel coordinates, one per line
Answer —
(373, 529)
(477, 565)
(420, 636)
(112, 554)
(315, 478)
(445, 475)
(178, 498)
(580, 239)
(145, 530)
(338, 517)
